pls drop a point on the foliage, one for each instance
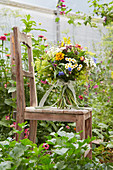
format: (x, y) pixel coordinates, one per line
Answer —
(103, 10)
(65, 148)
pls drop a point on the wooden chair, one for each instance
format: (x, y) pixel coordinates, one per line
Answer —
(83, 118)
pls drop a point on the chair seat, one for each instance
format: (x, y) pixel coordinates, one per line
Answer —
(53, 113)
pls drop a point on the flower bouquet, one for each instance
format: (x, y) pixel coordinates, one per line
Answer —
(62, 66)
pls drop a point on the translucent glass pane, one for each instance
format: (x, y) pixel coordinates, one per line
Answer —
(75, 5)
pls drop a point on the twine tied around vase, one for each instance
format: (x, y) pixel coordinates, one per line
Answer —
(69, 84)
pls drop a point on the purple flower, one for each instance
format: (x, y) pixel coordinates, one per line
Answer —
(95, 60)
(61, 73)
(69, 69)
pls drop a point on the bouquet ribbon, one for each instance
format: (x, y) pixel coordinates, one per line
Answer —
(69, 84)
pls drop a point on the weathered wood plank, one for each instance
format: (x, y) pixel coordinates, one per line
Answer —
(50, 117)
(55, 110)
(27, 74)
(25, 39)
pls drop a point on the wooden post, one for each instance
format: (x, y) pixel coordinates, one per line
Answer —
(80, 125)
(19, 81)
(88, 132)
(13, 76)
(33, 95)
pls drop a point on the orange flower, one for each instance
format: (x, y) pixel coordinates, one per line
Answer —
(59, 56)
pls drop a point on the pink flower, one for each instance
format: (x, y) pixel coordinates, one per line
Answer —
(81, 97)
(40, 36)
(26, 131)
(108, 101)
(62, 12)
(109, 97)
(7, 118)
(44, 82)
(103, 90)
(63, 6)
(101, 82)
(8, 55)
(13, 125)
(46, 45)
(67, 127)
(96, 86)
(62, 1)
(44, 38)
(45, 146)
(78, 46)
(3, 37)
(5, 85)
(28, 84)
(26, 136)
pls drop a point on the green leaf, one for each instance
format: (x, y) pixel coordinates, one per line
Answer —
(18, 150)
(12, 89)
(5, 165)
(28, 17)
(70, 21)
(57, 19)
(61, 151)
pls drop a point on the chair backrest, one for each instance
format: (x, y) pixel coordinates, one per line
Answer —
(15, 40)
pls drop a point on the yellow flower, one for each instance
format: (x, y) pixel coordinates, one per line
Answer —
(112, 74)
(67, 40)
(62, 44)
(59, 56)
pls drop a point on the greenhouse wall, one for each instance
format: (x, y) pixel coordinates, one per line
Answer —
(11, 14)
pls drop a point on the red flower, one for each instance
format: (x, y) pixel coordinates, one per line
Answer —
(5, 34)
(81, 97)
(40, 36)
(3, 37)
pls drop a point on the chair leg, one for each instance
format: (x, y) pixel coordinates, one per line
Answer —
(80, 125)
(33, 130)
(88, 132)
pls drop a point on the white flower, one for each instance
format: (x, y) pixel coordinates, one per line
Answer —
(86, 61)
(73, 60)
(80, 65)
(92, 63)
(78, 68)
